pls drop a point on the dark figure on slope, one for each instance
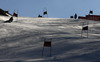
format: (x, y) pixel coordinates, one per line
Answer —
(75, 16)
(9, 21)
(39, 16)
(71, 16)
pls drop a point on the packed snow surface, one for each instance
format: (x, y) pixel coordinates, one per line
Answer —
(23, 39)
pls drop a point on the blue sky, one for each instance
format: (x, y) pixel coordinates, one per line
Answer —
(55, 8)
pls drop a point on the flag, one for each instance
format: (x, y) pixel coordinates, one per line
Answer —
(91, 12)
(14, 14)
(47, 44)
(45, 13)
(85, 28)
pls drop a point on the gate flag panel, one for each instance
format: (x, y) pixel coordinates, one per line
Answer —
(85, 28)
(47, 44)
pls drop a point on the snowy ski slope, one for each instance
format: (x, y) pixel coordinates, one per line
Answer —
(22, 40)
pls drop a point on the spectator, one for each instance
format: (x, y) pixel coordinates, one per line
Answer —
(75, 16)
